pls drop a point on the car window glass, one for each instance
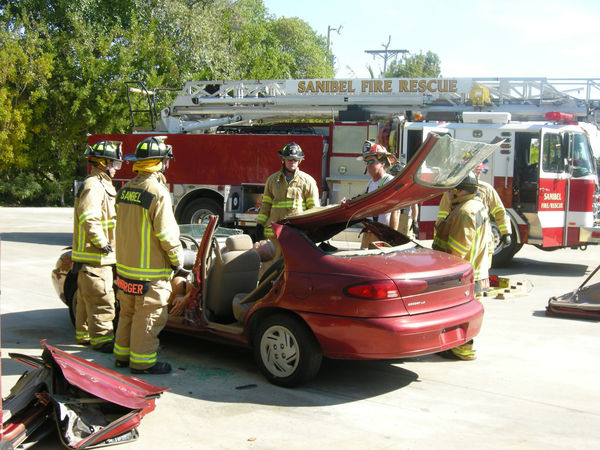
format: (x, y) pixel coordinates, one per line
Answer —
(450, 160)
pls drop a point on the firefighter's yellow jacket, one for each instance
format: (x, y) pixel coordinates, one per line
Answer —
(466, 233)
(94, 220)
(282, 198)
(148, 243)
(490, 199)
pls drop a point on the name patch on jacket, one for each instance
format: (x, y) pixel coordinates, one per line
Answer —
(133, 287)
(135, 196)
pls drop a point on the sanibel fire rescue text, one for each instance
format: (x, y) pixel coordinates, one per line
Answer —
(387, 86)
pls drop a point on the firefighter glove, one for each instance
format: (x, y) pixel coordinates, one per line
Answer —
(107, 249)
(506, 240)
(260, 232)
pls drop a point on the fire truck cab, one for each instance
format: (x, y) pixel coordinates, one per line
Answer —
(544, 172)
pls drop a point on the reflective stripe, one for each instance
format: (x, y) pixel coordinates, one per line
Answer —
(261, 218)
(82, 336)
(86, 257)
(454, 244)
(121, 351)
(269, 232)
(143, 274)
(145, 247)
(101, 339)
(441, 215)
(143, 359)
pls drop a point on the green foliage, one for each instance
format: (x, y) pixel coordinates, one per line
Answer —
(416, 66)
(66, 64)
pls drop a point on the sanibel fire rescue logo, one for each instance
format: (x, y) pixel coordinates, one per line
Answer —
(552, 200)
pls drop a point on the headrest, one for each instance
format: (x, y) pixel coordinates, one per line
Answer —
(238, 242)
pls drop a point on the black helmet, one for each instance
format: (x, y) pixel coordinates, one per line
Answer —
(105, 149)
(469, 183)
(151, 148)
(292, 151)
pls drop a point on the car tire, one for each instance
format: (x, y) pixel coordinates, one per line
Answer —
(198, 211)
(286, 351)
(73, 307)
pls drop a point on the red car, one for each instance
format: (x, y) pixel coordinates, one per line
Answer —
(394, 300)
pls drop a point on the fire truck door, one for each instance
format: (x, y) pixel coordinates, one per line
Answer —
(581, 187)
(553, 188)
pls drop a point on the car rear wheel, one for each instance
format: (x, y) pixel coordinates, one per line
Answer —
(286, 351)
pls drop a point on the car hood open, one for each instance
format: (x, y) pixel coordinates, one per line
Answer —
(440, 164)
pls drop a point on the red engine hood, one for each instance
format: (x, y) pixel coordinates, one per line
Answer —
(440, 164)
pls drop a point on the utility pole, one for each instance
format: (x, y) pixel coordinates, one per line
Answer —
(329, 30)
(386, 54)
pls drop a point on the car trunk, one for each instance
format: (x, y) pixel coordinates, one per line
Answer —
(427, 280)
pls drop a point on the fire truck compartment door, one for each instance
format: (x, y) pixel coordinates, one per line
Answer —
(553, 188)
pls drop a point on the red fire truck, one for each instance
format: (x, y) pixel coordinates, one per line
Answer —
(225, 135)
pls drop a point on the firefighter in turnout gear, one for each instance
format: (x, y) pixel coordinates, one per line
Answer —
(148, 253)
(465, 233)
(492, 201)
(377, 160)
(287, 192)
(93, 252)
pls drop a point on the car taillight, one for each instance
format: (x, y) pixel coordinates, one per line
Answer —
(411, 287)
(468, 277)
(373, 290)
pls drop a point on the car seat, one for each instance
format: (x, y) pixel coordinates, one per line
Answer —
(234, 270)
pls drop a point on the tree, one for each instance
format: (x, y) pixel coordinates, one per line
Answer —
(416, 66)
(68, 79)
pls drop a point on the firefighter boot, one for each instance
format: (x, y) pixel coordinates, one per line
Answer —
(157, 369)
(463, 352)
(106, 347)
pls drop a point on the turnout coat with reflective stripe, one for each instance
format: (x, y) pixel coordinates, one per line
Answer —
(94, 220)
(147, 233)
(282, 198)
(490, 199)
(466, 233)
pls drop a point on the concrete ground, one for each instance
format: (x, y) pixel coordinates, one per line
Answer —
(534, 384)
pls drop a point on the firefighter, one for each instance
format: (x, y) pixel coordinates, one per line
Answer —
(148, 253)
(287, 192)
(93, 252)
(492, 201)
(465, 233)
(377, 161)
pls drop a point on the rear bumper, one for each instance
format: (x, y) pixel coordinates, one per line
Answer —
(396, 337)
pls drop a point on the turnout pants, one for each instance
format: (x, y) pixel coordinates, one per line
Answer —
(95, 309)
(141, 319)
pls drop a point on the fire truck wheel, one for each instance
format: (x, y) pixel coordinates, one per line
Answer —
(504, 255)
(200, 209)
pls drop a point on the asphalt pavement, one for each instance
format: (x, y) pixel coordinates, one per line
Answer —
(534, 384)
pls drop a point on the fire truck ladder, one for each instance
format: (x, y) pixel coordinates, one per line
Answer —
(205, 104)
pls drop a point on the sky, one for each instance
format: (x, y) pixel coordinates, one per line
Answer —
(484, 38)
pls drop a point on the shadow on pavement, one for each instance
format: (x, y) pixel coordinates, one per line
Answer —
(526, 266)
(209, 371)
(64, 239)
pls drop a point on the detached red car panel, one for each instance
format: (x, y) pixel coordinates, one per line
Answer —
(91, 405)
(320, 298)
